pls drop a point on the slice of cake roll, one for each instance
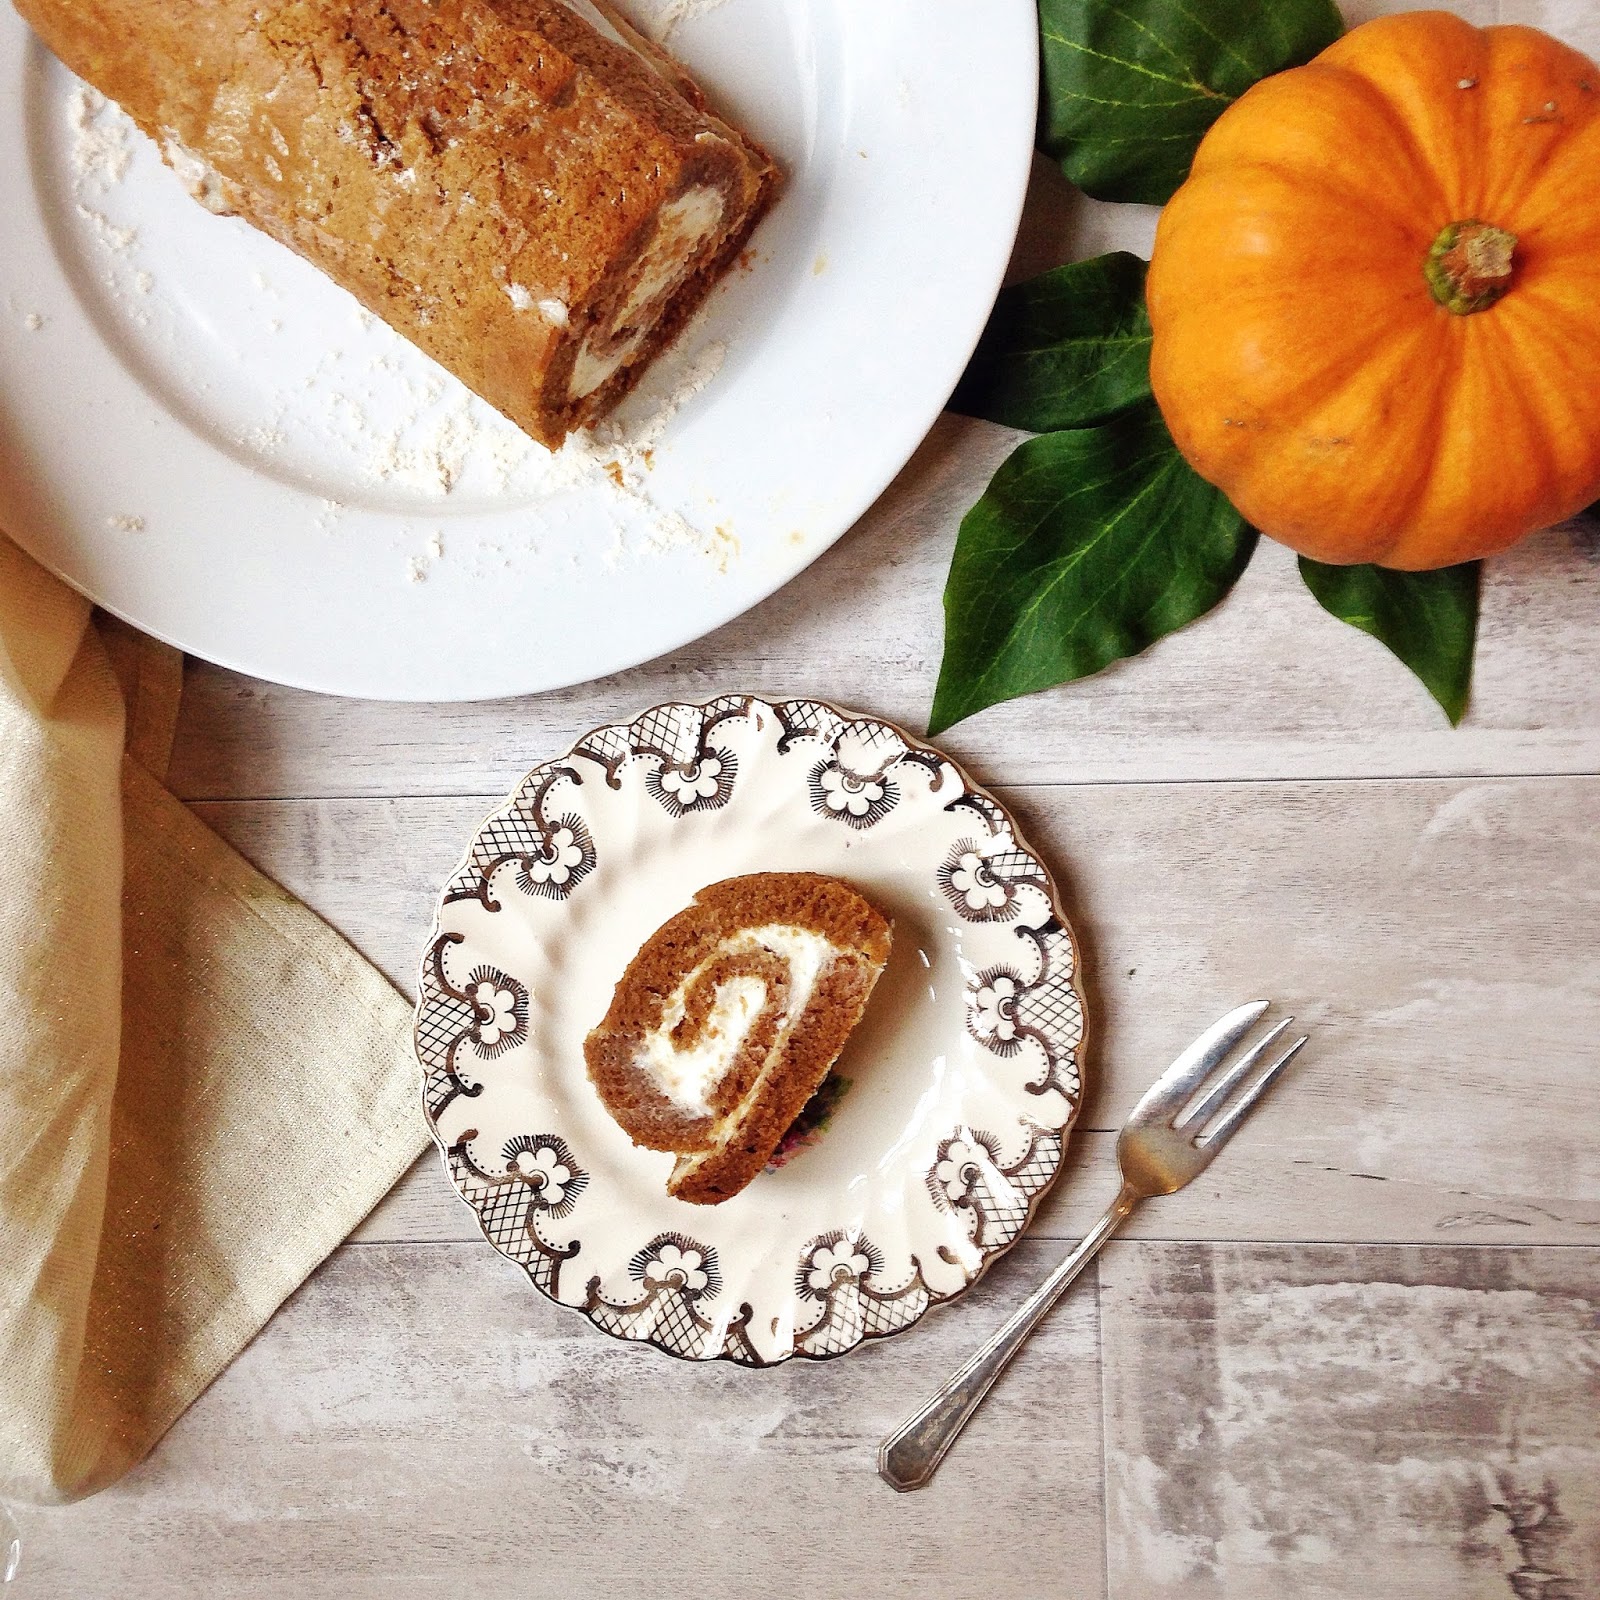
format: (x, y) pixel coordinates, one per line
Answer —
(728, 1019)
(530, 191)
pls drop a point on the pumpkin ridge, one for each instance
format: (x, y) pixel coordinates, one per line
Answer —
(1449, 355)
(1253, 240)
(1537, 305)
(1514, 176)
(1529, 329)
(1425, 170)
(1340, 370)
(1335, 188)
(1420, 30)
(1348, 82)
(1289, 448)
(1546, 199)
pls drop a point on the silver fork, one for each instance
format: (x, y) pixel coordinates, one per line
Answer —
(1170, 1138)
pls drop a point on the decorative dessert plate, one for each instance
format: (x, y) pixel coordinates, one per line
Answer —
(924, 1153)
(206, 435)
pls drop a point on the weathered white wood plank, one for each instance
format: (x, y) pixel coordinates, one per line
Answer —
(1435, 936)
(1352, 1422)
(416, 1421)
(1282, 1419)
(1578, 25)
(1255, 1195)
(1269, 686)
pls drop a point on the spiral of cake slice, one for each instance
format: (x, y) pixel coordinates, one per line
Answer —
(729, 1018)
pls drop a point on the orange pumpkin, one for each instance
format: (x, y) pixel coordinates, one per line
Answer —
(1376, 300)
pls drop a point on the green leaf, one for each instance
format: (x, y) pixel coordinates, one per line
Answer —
(1428, 619)
(1067, 348)
(1086, 547)
(1130, 86)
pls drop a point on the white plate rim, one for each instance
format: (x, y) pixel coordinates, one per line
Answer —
(899, 434)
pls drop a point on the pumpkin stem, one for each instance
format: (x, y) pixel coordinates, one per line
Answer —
(1470, 266)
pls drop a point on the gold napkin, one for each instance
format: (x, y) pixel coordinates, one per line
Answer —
(202, 1087)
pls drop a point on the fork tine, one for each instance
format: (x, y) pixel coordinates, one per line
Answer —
(1228, 1082)
(1172, 1091)
(1228, 1125)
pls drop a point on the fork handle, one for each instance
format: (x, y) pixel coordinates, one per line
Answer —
(909, 1457)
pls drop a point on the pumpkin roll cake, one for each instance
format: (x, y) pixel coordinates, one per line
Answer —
(728, 1019)
(530, 191)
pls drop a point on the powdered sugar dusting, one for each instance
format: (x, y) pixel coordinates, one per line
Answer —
(616, 459)
(108, 233)
(102, 143)
(100, 152)
(668, 15)
(446, 438)
(362, 416)
(439, 441)
(99, 156)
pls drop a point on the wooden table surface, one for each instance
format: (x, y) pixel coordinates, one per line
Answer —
(1360, 1357)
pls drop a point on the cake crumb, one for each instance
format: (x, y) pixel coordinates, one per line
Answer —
(266, 438)
(125, 522)
(621, 455)
(144, 282)
(670, 14)
(416, 572)
(723, 546)
(100, 152)
(436, 546)
(108, 233)
(33, 322)
(820, 265)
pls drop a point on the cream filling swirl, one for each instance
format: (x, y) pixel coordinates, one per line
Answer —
(682, 230)
(688, 1076)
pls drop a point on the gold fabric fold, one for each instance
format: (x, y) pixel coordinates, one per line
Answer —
(203, 1088)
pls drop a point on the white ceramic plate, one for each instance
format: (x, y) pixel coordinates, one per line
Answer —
(945, 1117)
(203, 433)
